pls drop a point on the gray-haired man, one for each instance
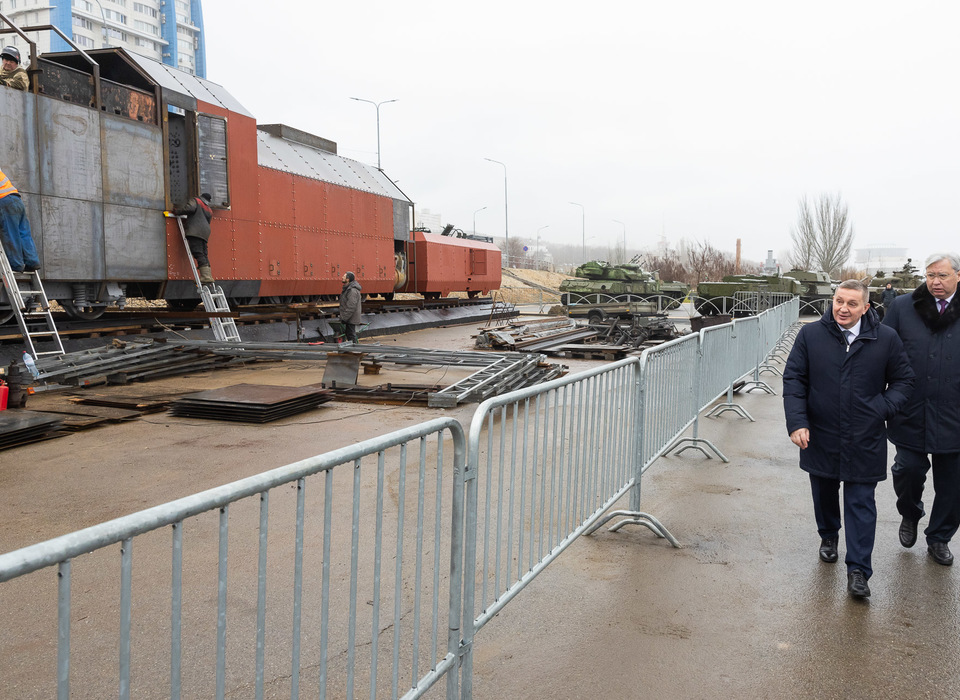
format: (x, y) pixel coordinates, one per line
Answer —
(927, 431)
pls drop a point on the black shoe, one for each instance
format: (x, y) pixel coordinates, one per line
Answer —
(31, 268)
(940, 553)
(857, 584)
(17, 269)
(908, 532)
(828, 549)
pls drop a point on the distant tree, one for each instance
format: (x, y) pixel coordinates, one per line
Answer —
(667, 262)
(823, 234)
(513, 252)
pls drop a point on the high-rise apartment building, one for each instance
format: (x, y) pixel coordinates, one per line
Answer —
(170, 31)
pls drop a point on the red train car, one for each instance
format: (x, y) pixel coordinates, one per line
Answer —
(290, 214)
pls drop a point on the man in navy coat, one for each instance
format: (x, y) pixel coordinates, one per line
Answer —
(928, 428)
(845, 376)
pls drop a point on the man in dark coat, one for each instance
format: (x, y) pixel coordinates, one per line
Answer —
(886, 298)
(197, 229)
(350, 299)
(845, 376)
(928, 428)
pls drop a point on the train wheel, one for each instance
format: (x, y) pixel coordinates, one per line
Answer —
(6, 315)
(388, 296)
(83, 313)
(473, 294)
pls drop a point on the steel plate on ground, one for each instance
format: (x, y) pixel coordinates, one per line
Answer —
(252, 403)
(342, 368)
(18, 427)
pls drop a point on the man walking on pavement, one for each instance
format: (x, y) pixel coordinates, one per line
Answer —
(845, 376)
(927, 431)
(197, 229)
(17, 240)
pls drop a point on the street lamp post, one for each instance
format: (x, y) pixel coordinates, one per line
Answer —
(617, 221)
(475, 219)
(538, 244)
(583, 228)
(506, 218)
(377, 105)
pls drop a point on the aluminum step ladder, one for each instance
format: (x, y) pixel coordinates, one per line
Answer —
(212, 296)
(31, 307)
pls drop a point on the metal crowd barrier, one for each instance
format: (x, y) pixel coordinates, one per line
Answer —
(544, 464)
(541, 466)
(358, 583)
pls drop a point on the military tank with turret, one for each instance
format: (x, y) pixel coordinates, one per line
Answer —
(599, 282)
(904, 281)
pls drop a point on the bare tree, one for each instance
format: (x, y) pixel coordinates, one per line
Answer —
(823, 236)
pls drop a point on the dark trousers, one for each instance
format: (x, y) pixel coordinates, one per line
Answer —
(15, 233)
(909, 474)
(198, 248)
(859, 514)
(350, 331)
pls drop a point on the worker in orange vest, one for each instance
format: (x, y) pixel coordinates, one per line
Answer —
(17, 241)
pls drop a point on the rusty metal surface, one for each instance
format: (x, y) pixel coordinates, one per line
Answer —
(441, 263)
(67, 84)
(18, 427)
(124, 101)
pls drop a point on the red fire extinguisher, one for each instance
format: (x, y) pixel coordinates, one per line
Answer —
(4, 390)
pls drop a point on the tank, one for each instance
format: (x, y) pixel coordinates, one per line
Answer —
(814, 286)
(598, 282)
(904, 280)
(744, 295)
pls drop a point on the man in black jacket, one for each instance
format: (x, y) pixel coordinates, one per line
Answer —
(197, 229)
(928, 429)
(845, 376)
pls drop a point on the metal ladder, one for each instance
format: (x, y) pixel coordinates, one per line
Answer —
(212, 296)
(31, 307)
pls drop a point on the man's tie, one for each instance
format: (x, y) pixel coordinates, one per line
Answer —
(943, 305)
(849, 336)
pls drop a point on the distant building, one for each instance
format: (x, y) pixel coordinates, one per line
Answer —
(170, 31)
(885, 258)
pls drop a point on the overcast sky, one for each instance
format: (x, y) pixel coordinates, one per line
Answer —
(694, 119)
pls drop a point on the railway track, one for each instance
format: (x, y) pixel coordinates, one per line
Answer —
(145, 320)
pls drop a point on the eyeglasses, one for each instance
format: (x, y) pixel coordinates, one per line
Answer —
(943, 277)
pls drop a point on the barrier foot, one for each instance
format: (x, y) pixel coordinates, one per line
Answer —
(695, 444)
(634, 517)
(739, 410)
(773, 369)
(757, 384)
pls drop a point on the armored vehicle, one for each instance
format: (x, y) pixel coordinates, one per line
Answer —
(904, 281)
(743, 295)
(816, 289)
(600, 282)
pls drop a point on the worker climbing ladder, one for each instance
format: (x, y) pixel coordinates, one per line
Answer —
(211, 294)
(31, 307)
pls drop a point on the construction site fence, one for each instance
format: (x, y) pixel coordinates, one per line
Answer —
(346, 596)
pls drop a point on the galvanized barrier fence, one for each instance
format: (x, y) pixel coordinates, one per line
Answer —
(541, 467)
(357, 584)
